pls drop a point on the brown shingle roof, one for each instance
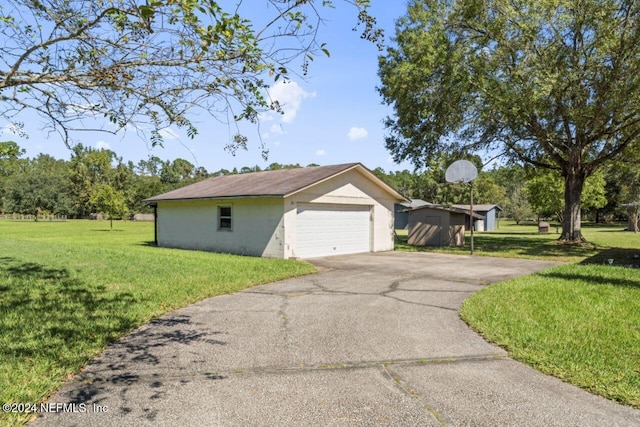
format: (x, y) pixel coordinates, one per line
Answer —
(454, 209)
(478, 207)
(261, 184)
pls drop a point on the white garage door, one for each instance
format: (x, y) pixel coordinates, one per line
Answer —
(332, 230)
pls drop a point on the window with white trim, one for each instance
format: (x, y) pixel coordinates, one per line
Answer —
(224, 218)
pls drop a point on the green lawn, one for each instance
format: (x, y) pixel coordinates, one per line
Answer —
(579, 321)
(68, 289)
(524, 241)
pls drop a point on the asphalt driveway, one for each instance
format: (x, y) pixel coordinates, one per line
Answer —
(373, 339)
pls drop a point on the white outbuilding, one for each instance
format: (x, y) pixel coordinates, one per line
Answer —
(289, 213)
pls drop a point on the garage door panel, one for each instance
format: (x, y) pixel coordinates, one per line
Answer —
(332, 230)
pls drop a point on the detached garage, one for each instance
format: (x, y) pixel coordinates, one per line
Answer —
(291, 213)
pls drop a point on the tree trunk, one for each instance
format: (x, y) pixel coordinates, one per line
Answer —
(571, 223)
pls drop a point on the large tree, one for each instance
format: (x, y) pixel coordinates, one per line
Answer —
(554, 84)
(89, 168)
(146, 64)
(544, 190)
(39, 187)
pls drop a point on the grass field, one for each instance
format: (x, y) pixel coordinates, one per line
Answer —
(580, 321)
(68, 289)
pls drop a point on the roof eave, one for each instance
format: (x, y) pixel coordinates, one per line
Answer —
(185, 199)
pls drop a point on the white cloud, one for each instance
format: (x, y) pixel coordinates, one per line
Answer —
(357, 133)
(266, 116)
(276, 129)
(277, 143)
(320, 153)
(289, 95)
(103, 145)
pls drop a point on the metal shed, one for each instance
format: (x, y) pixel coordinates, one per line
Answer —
(401, 215)
(490, 216)
(437, 226)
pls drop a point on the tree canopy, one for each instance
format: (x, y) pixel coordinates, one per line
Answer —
(554, 84)
(544, 192)
(146, 65)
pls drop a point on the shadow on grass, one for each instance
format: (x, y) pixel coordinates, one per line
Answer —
(54, 323)
(114, 230)
(511, 244)
(621, 257)
(58, 315)
(513, 233)
(591, 278)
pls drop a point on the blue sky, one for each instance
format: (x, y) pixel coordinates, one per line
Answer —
(333, 116)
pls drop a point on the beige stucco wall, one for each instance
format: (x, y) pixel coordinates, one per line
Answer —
(351, 188)
(257, 226)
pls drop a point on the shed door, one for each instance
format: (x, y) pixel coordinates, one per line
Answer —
(427, 232)
(332, 230)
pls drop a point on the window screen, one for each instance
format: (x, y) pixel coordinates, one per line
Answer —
(224, 217)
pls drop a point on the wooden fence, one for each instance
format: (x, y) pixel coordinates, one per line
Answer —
(21, 217)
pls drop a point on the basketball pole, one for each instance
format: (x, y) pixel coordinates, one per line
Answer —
(471, 214)
(463, 171)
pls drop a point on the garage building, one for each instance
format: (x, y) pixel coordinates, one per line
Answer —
(289, 213)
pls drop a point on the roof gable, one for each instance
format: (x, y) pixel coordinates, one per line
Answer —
(279, 183)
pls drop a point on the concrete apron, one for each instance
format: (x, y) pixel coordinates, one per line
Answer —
(373, 339)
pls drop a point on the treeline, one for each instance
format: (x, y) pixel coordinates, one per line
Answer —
(524, 192)
(99, 181)
(92, 181)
